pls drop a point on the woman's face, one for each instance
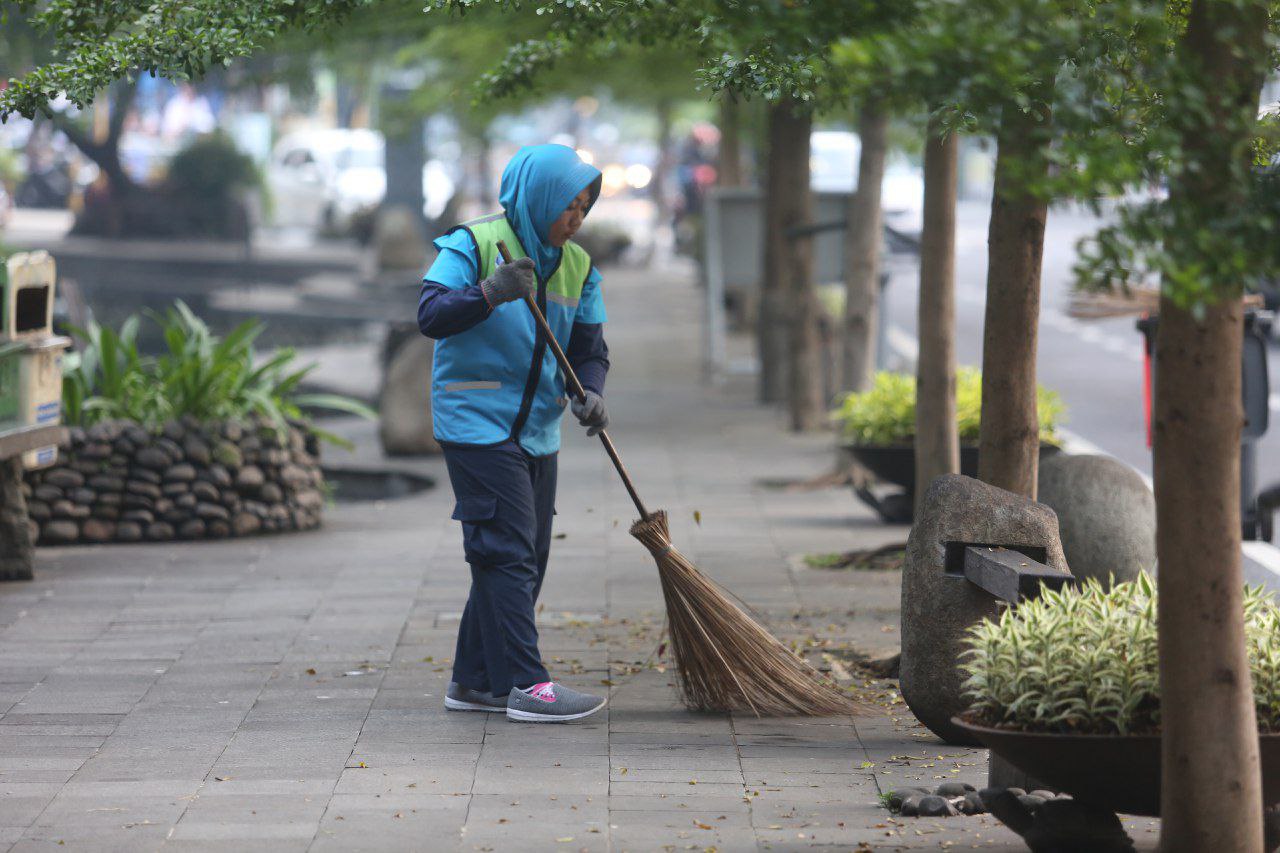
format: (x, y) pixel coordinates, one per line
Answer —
(563, 229)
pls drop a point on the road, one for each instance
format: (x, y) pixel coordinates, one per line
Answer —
(1096, 365)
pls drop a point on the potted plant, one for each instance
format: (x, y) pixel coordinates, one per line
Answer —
(877, 427)
(1066, 688)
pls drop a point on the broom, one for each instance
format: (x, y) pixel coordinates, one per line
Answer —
(726, 660)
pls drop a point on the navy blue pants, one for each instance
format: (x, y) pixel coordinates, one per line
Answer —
(505, 501)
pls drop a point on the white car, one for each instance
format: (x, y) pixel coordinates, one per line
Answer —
(322, 180)
(833, 167)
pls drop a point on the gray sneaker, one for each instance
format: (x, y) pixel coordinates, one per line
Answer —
(550, 702)
(459, 698)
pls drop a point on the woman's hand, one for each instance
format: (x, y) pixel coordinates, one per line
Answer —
(591, 413)
(510, 282)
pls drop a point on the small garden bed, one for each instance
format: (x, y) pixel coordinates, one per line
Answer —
(205, 441)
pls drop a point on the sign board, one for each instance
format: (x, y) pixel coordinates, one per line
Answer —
(27, 307)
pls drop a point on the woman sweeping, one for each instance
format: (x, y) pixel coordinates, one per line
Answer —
(496, 399)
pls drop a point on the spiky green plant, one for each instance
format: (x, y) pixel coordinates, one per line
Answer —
(1085, 659)
(207, 376)
(885, 414)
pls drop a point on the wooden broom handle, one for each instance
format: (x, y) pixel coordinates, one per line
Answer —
(575, 388)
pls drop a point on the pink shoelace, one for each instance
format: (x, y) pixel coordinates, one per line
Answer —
(544, 691)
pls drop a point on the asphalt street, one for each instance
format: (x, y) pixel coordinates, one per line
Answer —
(1096, 365)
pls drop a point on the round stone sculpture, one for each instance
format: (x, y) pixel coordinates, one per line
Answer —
(117, 482)
(1106, 515)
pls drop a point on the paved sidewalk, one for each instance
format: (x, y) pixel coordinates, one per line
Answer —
(284, 693)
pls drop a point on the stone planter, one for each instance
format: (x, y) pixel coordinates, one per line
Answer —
(118, 482)
(1116, 772)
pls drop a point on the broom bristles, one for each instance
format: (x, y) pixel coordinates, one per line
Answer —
(726, 660)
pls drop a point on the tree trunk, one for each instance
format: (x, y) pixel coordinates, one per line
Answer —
(729, 173)
(771, 330)
(662, 170)
(16, 548)
(937, 445)
(862, 253)
(1210, 786)
(1009, 436)
(805, 396)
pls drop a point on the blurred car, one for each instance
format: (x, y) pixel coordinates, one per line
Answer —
(322, 179)
(833, 167)
(6, 208)
(328, 180)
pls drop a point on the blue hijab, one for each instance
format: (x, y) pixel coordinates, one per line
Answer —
(537, 185)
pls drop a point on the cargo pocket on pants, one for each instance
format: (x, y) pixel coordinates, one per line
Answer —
(476, 513)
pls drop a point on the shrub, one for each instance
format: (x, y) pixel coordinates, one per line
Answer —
(207, 183)
(886, 413)
(1085, 660)
(200, 374)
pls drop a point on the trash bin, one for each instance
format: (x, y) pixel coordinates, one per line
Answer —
(1256, 396)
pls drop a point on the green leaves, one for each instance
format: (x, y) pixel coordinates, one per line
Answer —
(95, 44)
(886, 414)
(200, 374)
(1085, 660)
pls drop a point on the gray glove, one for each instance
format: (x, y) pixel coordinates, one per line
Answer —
(591, 412)
(510, 282)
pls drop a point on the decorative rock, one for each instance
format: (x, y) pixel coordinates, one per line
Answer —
(137, 435)
(145, 475)
(62, 508)
(911, 805)
(404, 404)
(137, 502)
(1062, 825)
(175, 489)
(180, 473)
(96, 530)
(271, 493)
(227, 454)
(218, 529)
(159, 531)
(244, 524)
(186, 501)
(137, 487)
(1106, 514)
(163, 505)
(276, 456)
(1031, 803)
(192, 529)
(171, 448)
(106, 483)
(217, 475)
(96, 450)
(85, 467)
(18, 532)
(59, 531)
(174, 430)
(232, 431)
(937, 609)
(38, 510)
(1044, 795)
(111, 498)
(64, 478)
(935, 806)
(205, 491)
(128, 531)
(45, 492)
(153, 458)
(205, 510)
(141, 516)
(954, 789)
(83, 495)
(250, 478)
(972, 804)
(107, 512)
(196, 450)
(310, 499)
